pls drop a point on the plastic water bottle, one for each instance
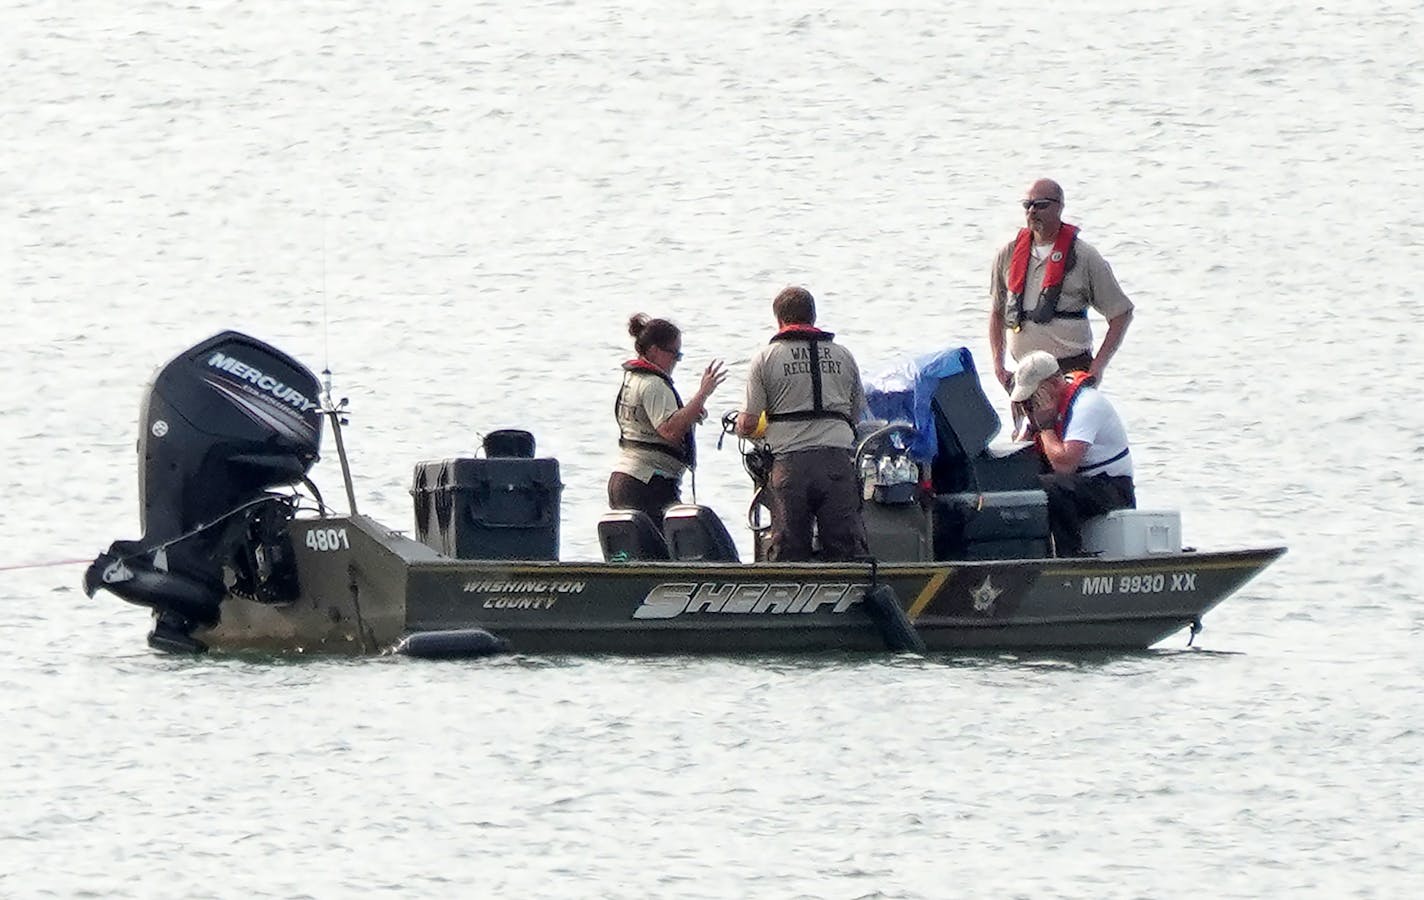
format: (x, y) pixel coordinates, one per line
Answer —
(906, 472)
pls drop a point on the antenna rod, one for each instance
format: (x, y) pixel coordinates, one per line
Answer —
(334, 410)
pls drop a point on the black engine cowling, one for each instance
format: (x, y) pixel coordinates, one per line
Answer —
(222, 423)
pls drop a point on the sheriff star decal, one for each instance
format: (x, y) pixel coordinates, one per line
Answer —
(985, 595)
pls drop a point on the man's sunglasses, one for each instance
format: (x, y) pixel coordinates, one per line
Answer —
(1038, 204)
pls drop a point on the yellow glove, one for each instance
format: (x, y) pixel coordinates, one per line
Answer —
(761, 428)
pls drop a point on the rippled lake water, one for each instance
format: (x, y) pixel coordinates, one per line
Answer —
(455, 208)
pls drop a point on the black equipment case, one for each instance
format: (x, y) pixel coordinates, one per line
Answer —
(490, 508)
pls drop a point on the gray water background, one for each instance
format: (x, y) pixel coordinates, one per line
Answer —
(456, 206)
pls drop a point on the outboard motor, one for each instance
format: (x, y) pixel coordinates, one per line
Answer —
(221, 424)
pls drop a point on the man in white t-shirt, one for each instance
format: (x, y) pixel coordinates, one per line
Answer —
(1084, 441)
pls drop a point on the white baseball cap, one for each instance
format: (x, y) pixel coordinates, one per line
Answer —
(1033, 370)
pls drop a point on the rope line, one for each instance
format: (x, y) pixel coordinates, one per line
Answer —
(299, 506)
(44, 565)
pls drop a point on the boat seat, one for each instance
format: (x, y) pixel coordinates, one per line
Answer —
(696, 534)
(626, 535)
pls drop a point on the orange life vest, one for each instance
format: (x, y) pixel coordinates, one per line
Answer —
(1060, 261)
(1076, 382)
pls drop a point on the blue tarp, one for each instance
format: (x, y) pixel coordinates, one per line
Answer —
(903, 393)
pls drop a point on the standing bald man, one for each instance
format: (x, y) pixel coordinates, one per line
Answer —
(1040, 289)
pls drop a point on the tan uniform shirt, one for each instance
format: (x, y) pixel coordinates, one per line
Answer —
(645, 402)
(1090, 283)
(780, 382)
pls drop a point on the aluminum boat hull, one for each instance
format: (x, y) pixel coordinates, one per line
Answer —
(365, 587)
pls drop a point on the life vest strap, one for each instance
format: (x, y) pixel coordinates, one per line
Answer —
(1106, 462)
(813, 336)
(677, 453)
(806, 415)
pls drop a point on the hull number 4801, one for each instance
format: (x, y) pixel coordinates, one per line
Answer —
(326, 539)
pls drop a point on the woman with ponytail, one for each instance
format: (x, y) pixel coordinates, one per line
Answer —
(655, 428)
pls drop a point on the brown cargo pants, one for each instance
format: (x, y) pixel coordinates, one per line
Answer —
(820, 486)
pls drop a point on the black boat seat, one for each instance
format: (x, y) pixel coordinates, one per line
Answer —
(626, 535)
(696, 534)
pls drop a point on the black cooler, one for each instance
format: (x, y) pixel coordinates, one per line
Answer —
(994, 525)
(500, 507)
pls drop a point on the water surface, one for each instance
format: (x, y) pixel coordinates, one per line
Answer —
(455, 208)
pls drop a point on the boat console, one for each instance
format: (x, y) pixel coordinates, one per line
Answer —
(981, 500)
